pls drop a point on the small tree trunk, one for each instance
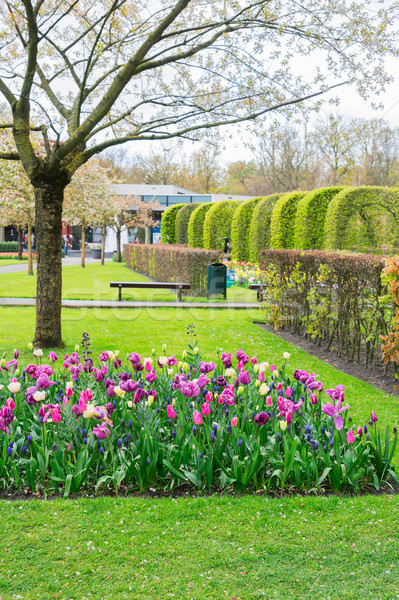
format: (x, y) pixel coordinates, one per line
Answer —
(30, 261)
(83, 248)
(118, 246)
(20, 241)
(103, 232)
(147, 234)
(48, 196)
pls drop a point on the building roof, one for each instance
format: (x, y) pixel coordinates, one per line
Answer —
(142, 189)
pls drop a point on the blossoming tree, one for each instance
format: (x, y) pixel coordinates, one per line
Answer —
(132, 71)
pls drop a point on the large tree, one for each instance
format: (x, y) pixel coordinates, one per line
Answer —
(92, 74)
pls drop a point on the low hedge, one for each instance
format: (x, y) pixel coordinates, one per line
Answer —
(259, 230)
(182, 221)
(196, 225)
(240, 227)
(217, 224)
(172, 263)
(282, 221)
(168, 232)
(310, 218)
(337, 299)
(8, 247)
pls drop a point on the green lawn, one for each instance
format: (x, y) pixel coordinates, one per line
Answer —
(13, 261)
(92, 283)
(244, 548)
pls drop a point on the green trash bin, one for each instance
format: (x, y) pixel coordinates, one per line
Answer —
(217, 279)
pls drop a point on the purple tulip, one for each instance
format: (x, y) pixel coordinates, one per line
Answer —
(189, 389)
(226, 360)
(261, 418)
(202, 381)
(205, 367)
(244, 377)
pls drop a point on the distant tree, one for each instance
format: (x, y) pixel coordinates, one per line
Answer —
(335, 139)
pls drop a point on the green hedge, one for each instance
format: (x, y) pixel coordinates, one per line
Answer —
(362, 218)
(218, 224)
(172, 263)
(8, 246)
(259, 230)
(168, 235)
(282, 222)
(240, 227)
(182, 221)
(310, 218)
(196, 225)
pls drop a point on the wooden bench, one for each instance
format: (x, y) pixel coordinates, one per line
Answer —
(260, 288)
(156, 285)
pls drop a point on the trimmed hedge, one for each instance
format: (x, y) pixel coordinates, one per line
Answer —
(196, 225)
(337, 299)
(282, 222)
(8, 246)
(362, 217)
(172, 263)
(217, 224)
(182, 220)
(310, 218)
(168, 234)
(240, 227)
(259, 230)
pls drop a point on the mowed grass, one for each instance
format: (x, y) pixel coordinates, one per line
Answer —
(141, 330)
(92, 283)
(13, 261)
(213, 548)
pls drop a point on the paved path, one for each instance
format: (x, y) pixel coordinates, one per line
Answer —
(66, 262)
(131, 304)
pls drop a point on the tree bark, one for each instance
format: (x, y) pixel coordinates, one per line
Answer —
(30, 261)
(48, 197)
(83, 248)
(118, 246)
(20, 241)
(147, 234)
(103, 233)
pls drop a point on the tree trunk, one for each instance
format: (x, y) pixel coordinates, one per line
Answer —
(103, 233)
(30, 261)
(20, 241)
(147, 234)
(118, 246)
(83, 248)
(48, 196)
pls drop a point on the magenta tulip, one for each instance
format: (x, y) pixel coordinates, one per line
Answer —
(197, 417)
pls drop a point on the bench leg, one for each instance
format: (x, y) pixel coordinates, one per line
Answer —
(119, 293)
(179, 294)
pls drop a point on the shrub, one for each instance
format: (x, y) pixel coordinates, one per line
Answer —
(362, 218)
(335, 298)
(196, 225)
(310, 218)
(240, 227)
(283, 220)
(217, 224)
(8, 247)
(182, 220)
(259, 231)
(168, 234)
(172, 263)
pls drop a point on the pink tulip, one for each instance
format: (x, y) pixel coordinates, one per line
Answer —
(151, 377)
(288, 392)
(234, 422)
(261, 377)
(148, 366)
(171, 412)
(209, 397)
(56, 415)
(273, 368)
(206, 409)
(373, 416)
(197, 417)
(313, 398)
(288, 418)
(69, 391)
(351, 437)
(65, 401)
(69, 447)
(254, 360)
(279, 386)
(82, 405)
(42, 410)
(10, 403)
(220, 399)
(359, 430)
(269, 401)
(241, 366)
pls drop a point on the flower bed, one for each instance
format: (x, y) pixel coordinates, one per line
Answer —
(11, 255)
(70, 425)
(246, 273)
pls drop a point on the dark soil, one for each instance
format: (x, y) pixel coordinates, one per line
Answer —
(371, 374)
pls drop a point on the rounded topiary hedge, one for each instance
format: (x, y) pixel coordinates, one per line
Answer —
(182, 220)
(259, 230)
(240, 227)
(362, 218)
(196, 225)
(217, 224)
(282, 222)
(310, 217)
(168, 235)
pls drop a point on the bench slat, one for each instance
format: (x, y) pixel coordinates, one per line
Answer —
(152, 285)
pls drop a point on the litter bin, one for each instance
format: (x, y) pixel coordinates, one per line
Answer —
(217, 277)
